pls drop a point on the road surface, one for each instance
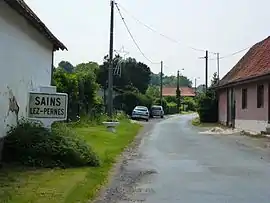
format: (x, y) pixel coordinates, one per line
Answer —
(177, 164)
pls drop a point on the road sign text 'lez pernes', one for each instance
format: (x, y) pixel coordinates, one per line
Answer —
(43, 105)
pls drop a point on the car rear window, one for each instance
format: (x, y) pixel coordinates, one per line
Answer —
(141, 109)
(156, 108)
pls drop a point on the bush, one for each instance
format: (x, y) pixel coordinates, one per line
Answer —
(164, 104)
(29, 143)
(171, 99)
(208, 107)
(128, 100)
(189, 103)
(172, 108)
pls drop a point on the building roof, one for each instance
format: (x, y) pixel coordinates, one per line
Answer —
(255, 63)
(185, 91)
(23, 9)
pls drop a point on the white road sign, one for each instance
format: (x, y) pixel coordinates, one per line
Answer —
(46, 105)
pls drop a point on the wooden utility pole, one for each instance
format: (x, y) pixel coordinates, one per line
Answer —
(110, 71)
(161, 82)
(206, 70)
(178, 91)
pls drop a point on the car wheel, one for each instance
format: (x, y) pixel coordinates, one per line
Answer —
(146, 120)
(161, 116)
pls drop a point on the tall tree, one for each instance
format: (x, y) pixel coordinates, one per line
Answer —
(170, 81)
(153, 91)
(133, 73)
(67, 66)
(214, 80)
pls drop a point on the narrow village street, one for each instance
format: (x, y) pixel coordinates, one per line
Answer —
(177, 164)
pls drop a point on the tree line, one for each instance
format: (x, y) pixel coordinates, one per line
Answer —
(135, 80)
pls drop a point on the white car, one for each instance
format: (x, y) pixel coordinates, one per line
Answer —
(157, 111)
(140, 112)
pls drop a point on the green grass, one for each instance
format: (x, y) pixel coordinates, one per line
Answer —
(22, 185)
(196, 122)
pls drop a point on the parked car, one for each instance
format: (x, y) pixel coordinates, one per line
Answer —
(140, 112)
(157, 111)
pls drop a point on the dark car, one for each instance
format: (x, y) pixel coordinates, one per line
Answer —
(157, 111)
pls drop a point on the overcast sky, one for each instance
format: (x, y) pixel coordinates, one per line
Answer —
(224, 26)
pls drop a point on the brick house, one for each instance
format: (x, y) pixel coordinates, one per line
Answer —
(243, 93)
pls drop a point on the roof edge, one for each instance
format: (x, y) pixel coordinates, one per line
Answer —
(25, 11)
(243, 81)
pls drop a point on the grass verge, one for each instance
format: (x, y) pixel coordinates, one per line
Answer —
(24, 185)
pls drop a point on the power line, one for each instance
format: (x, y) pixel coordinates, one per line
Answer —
(232, 54)
(161, 34)
(130, 34)
(176, 41)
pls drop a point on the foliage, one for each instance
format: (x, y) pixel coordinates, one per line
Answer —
(171, 99)
(68, 83)
(130, 88)
(81, 184)
(200, 89)
(80, 86)
(153, 91)
(67, 66)
(214, 80)
(170, 81)
(196, 121)
(133, 73)
(208, 104)
(87, 67)
(190, 103)
(164, 104)
(128, 100)
(29, 143)
(171, 108)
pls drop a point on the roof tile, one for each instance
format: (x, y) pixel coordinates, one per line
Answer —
(185, 91)
(256, 62)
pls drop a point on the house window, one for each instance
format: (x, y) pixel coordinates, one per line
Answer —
(260, 96)
(244, 98)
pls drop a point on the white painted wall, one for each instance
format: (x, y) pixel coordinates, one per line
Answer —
(255, 126)
(25, 62)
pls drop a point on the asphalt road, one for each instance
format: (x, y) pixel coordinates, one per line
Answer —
(177, 164)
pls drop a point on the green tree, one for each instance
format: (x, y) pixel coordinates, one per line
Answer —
(170, 81)
(208, 104)
(214, 80)
(153, 91)
(68, 83)
(133, 73)
(155, 79)
(87, 67)
(67, 66)
(81, 87)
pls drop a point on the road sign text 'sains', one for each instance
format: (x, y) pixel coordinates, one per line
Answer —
(44, 105)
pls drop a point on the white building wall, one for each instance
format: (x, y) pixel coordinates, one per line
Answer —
(254, 126)
(25, 63)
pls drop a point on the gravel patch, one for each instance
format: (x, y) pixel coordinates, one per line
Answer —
(123, 178)
(220, 131)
